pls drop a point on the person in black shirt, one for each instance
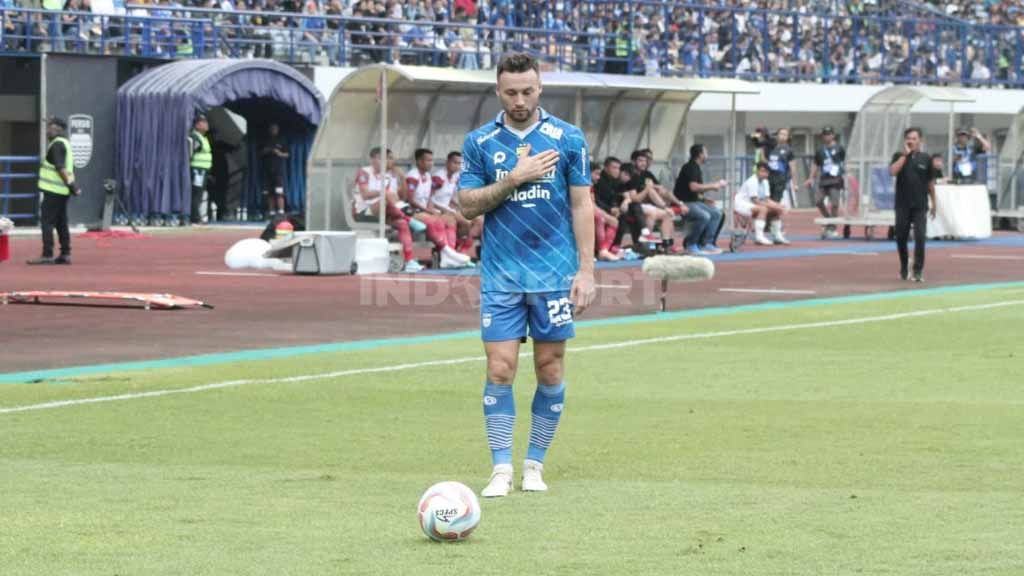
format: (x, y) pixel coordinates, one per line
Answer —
(915, 183)
(939, 165)
(781, 170)
(830, 165)
(654, 200)
(612, 195)
(274, 155)
(606, 220)
(57, 184)
(707, 220)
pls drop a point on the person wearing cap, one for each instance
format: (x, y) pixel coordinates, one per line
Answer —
(57, 185)
(200, 162)
(781, 176)
(828, 168)
(969, 144)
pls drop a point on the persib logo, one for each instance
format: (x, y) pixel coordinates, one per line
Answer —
(80, 130)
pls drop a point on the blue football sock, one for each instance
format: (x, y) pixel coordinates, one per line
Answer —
(499, 419)
(546, 410)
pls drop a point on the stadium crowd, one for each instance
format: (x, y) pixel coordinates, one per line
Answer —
(859, 41)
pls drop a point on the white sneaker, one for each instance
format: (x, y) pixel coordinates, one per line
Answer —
(451, 259)
(777, 235)
(532, 480)
(500, 483)
(760, 239)
(412, 266)
(454, 256)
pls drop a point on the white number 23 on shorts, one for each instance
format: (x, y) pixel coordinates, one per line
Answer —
(559, 311)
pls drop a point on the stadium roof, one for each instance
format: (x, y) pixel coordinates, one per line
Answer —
(405, 78)
(910, 95)
(436, 107)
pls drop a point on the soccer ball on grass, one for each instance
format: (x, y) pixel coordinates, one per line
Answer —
(448, 511)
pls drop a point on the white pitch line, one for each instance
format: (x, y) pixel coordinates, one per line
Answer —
(987, 257)
(468, 359)
(766, 291)
(205, 273)
(445, 280)
(613, 286)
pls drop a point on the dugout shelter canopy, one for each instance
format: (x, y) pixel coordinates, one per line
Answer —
(155, 112)
(1011, 166)
(408, 107)
(878, 133)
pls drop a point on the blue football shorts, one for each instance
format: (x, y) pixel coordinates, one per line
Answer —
(507, 315)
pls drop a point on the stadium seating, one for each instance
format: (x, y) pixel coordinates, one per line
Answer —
(860, 41)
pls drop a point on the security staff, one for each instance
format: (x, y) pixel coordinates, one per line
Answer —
(829, 167)
(201, 161)
(274, 156)
(57, 184)
(781, 174)
(915, 183)
(965, 155)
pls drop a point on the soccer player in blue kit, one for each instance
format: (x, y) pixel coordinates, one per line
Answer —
(528, 173)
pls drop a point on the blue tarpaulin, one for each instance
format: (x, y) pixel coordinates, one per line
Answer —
(155, 111)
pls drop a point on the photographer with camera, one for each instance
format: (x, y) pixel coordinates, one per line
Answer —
(57, 185)
(760, 140)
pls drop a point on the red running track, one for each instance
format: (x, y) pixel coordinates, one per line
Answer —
(269, 310)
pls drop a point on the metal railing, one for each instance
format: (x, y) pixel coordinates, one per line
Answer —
(679, 39)
(9, 177)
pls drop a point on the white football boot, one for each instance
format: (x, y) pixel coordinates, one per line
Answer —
(532, 480)
(452, 259)
(759, 237)
(777, 236)
(500, 483)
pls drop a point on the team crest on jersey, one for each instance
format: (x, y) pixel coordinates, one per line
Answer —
(551, 130)
(521, 150)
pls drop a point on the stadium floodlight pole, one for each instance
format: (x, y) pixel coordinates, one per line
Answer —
(383, 146)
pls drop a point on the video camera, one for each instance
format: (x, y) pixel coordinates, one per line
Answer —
(760, 137)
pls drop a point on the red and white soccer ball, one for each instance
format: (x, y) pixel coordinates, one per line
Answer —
(448, 511)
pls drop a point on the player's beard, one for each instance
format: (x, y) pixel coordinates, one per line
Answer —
(520, 115)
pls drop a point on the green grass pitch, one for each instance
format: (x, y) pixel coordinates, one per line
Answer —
(891, 446)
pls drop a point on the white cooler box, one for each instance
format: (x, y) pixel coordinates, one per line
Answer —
(324, 253)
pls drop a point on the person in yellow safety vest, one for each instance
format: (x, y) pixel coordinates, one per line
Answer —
(201, 160)
(184, 49)
(57, 185)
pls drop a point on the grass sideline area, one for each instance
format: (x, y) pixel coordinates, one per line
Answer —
(874, 437)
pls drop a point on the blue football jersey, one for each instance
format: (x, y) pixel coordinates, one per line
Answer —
(528, 242)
